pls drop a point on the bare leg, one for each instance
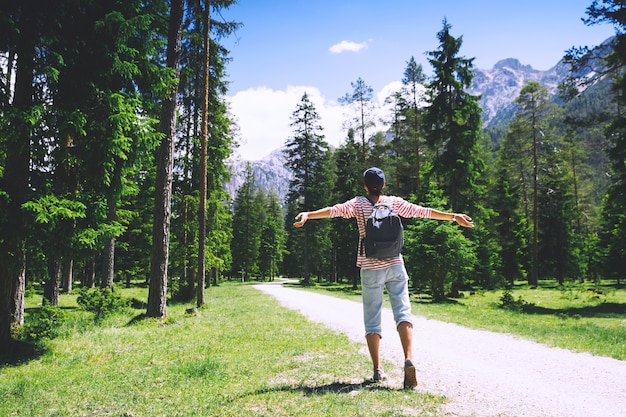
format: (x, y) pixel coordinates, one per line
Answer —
(373, 344)
(405, 330)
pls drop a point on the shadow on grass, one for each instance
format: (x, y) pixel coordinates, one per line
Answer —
(19, 352)
(602, 310)
(332, 388)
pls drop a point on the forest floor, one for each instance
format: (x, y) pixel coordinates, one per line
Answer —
(480, 373)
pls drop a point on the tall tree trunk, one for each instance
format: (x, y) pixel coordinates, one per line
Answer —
(534, 274)
(157, 293)
(187, 276)
(202, 215)
(68, 276)
(89, 278)
(307, 278)
(51, 287)
(15, 182)
(108, 255)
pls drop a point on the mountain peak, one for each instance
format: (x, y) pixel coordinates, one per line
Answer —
(512, 63)
(499, 86)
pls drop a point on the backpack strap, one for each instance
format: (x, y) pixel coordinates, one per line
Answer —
(362, 236)
(363, 216)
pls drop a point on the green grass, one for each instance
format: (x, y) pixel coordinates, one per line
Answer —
(241, 355)
(580, 317)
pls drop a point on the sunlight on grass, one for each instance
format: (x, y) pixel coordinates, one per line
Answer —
(241, 354)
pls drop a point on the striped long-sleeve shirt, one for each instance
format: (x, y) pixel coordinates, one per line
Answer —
(361, 208)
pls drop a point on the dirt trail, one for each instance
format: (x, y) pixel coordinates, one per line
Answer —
(481, 373)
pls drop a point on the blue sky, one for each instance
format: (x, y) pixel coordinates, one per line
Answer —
(288, 47)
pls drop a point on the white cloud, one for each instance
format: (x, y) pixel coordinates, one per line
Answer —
(388, 90)
(348, 46)
(264, 115)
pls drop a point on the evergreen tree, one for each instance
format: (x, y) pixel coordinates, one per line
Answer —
(454, 120)
(50, 215)
(439, 257)
(204, 139)
(205, 136)
(308, 157)
(509, 227)
(614, 207)
(412, 114)
(345, 233)
(557, 246)
(21, 39)
(248, 218)
(219, 235)
(157, 294)
(535, 109)
(133, 248)
(272, 238)
(361, 110)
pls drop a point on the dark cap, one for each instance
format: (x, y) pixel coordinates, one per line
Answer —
(374, 178)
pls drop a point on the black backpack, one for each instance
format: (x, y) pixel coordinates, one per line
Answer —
(384, 234)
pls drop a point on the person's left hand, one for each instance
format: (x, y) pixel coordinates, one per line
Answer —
(464, 220)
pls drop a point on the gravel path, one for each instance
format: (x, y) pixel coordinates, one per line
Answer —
(481, 373)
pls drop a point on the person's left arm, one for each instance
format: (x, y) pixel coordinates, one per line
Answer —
(406, 209)
(462, 219)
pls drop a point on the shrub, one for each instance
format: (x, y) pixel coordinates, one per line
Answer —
(101, 301)
(508, 302)
(43, 323)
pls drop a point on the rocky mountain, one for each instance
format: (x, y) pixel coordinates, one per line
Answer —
(270, 173)
(498, 88)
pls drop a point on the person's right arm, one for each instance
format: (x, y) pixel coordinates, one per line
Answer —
(345, 210)
(306, 215)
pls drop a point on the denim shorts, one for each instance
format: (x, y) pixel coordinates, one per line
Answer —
(395, 279)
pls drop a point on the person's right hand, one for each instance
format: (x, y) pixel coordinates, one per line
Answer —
(304, 216)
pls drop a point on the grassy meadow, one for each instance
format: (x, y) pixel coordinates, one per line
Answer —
(241, 355)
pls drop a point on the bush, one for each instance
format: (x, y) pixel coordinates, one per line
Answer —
(101, 301)
(44, 323)
(508, 302)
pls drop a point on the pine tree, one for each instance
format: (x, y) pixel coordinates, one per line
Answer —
(218, 143)
(454, 120)
(345, 233)
(21, 41)
(614, 208)
(438, 256)
(272, 240)
(157, 294)
(414, 97)
(308, 157)
(557, 246)
(248, 218)
(534, 110)
(509, 229)
(362, 107)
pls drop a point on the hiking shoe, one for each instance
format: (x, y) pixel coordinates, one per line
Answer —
(410, 380)
(379, 376)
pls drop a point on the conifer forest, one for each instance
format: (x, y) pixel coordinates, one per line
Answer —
(115, 139)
